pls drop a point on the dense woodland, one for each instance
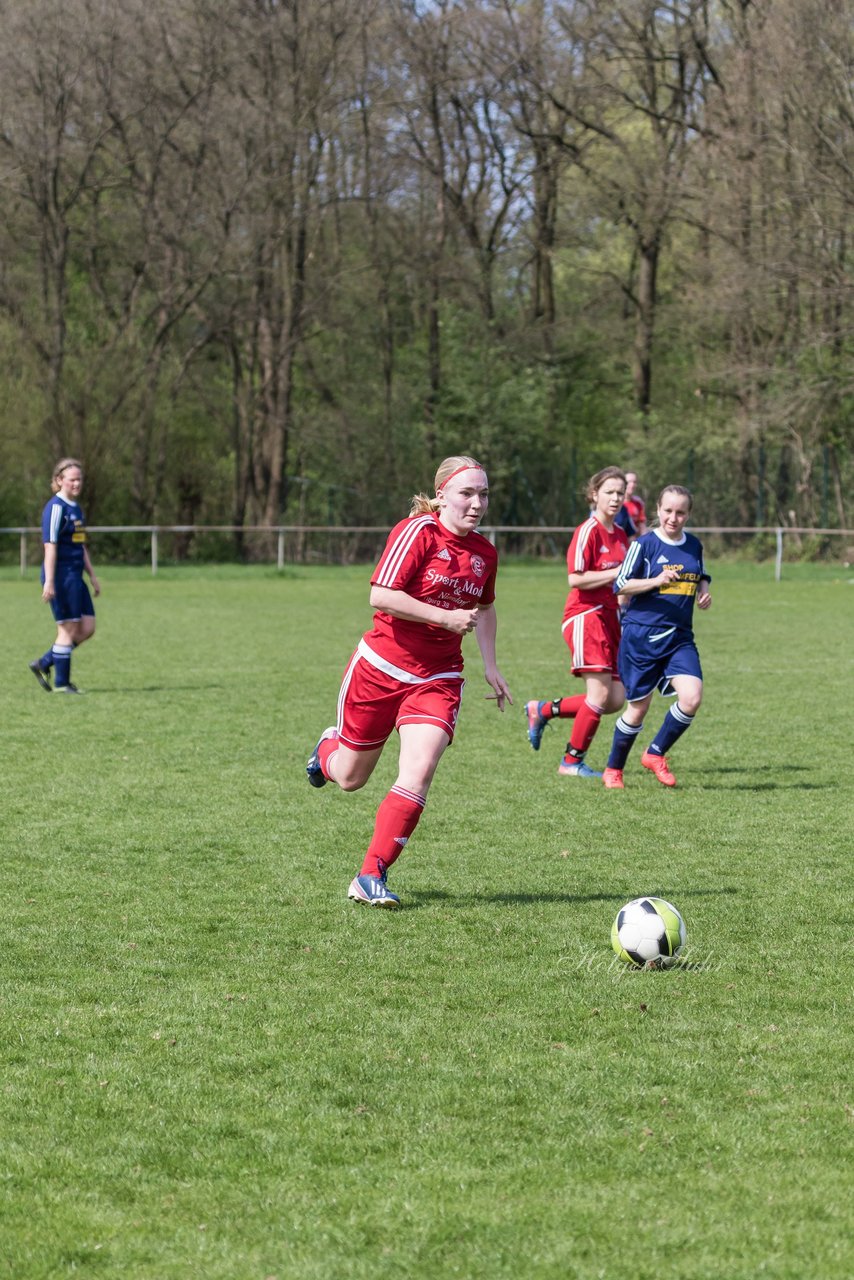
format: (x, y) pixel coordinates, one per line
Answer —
(266, 261)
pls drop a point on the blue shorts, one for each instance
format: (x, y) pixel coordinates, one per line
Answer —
(71, 600)
(651, 656)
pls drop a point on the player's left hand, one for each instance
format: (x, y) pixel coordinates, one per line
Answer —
(502, 693)
(704, 600)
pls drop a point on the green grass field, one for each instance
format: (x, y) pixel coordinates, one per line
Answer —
(214, 1066)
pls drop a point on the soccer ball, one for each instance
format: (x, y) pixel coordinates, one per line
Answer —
(648, 933)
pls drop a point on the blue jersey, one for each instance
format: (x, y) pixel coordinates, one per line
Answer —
(672, 604)
(623, 520)
(64, 525)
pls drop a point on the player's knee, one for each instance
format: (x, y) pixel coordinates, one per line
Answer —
(351, 781)
(690, 705)
(350, 784)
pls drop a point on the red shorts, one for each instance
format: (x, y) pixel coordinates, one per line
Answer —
(371, 704)
(594, 640)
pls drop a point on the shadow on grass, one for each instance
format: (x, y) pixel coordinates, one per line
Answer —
(755, 768)
(769, 786)
(747, 776)
(153, 688)
(425, 896)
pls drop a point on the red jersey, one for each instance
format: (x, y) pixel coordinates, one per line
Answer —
(593, 548)
(430, 563)
(636, 510)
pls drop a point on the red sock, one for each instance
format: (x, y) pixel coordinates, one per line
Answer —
(327, 748)
(397, 818)
(584, 728)
(566, 707)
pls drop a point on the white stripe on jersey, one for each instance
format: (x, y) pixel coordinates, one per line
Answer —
(628, 565)
(584, 533)
(56, 514)
(397, 673)
(394, 556)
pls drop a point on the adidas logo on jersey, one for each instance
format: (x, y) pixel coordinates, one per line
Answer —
(444, 554)
(603, 551)
(662, 560)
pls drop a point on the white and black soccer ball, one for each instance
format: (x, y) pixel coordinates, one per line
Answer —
(648, 933)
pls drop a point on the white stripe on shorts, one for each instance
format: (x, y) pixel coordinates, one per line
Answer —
(595, 609)
(397, 673)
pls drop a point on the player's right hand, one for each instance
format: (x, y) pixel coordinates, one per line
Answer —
(461, 621)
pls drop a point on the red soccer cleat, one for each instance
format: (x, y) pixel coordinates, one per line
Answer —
(658, 766)
(613, 779)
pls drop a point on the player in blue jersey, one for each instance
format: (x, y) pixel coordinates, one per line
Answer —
(66, 557)
(662, 576)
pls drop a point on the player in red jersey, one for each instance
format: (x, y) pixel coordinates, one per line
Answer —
(591, 625)
(634, 503)
(434, 582)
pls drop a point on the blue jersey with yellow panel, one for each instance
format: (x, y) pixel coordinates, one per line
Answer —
(63, 524)
(672, 604)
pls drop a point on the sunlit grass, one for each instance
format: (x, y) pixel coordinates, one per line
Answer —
(215, 1066)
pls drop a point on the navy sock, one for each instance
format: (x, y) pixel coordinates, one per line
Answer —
(622, 742)
(62, 664)
(673, 726)
(46, 660)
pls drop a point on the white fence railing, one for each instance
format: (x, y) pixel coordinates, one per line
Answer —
(301, 532)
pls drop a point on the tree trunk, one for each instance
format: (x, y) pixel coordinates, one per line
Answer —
(645, 321)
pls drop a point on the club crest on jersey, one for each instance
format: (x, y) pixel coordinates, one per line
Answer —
(478, 566)
(444, 554)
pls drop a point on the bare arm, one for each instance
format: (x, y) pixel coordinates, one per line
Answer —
(48, 590)
(638, 586)
(87, 565)
(486, 633)
(593, 578)
(402, 605)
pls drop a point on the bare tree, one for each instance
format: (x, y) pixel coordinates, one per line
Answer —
(50, 140)
(105, 157)
(282, 95)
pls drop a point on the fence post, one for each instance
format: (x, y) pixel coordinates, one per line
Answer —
(153, 550)
(280, 554)
(778, 565)
(23, 554)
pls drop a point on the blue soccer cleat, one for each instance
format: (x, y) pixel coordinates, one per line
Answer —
(372, 891)
(315, 774)
(576, 769)
(536, 723)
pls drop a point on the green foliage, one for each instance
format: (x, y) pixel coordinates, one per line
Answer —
(215, 1065)
(221, 277)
